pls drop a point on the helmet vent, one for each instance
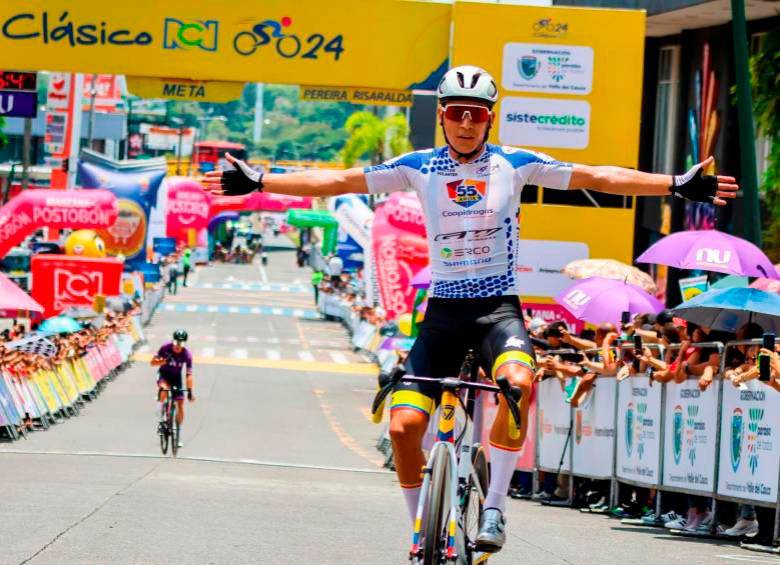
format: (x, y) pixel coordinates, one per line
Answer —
(461, 81)
(475, 79)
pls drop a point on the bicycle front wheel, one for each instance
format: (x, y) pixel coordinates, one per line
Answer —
(438, 507)
(163, 433)
(471, 503)
(174, 432)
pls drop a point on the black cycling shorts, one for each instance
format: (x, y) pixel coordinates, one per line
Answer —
(493, 327)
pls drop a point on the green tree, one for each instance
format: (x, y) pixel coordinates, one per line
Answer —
(374, 138)
(765, 71)
(3, 138)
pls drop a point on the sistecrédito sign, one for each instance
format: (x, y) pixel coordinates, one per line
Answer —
(371, 96)
(183, 89)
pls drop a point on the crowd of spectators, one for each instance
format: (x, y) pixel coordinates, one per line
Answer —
(21, 356)
(672, 350)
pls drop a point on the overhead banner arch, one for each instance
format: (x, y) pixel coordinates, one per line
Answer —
(405, 43)
(39, 208)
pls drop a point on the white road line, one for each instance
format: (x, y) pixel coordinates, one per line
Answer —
(233, 309)
(252, 339)
(273, 354)
(338, 357)
(263, 274)
(277, 311)
(274, 340)
(203, 459)
(232, 338)
(209, 338)
(298, 313)
(255, 310)
(207, 352)
(192, 308)
(212, 308)
(239, 353)
(306, 356)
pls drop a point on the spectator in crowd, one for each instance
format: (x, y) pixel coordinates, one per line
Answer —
(186, 262)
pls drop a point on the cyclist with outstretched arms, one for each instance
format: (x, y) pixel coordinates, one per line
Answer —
(470, 195)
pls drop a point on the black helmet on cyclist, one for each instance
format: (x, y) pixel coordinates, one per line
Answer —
(180, 335)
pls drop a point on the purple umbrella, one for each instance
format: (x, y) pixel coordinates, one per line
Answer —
(597, 300)
(710, 250)
(423, 278)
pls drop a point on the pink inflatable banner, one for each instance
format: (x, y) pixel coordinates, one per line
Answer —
(189, 206)
(39, 208)
(259, 202)
(401, 251)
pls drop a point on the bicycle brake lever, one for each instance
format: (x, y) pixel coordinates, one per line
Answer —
(512, 394)
(387, 382)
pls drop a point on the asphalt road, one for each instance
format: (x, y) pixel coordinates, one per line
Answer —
(279, 464)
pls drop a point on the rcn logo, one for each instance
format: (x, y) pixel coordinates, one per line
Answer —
(466, 192)
(577, 299)
(188, 34)
(709, 256)
(70, 287)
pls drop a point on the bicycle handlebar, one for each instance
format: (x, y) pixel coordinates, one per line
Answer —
(512, 394)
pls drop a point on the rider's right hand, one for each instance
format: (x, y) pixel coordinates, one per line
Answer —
(242, 180)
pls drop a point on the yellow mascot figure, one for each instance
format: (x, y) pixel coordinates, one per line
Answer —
(85, 243)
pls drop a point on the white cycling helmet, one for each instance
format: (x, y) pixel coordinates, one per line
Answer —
(468, 82)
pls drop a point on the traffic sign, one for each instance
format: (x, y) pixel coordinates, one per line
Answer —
(18, 104)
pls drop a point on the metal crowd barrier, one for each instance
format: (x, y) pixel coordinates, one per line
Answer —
(50, 395)
(722, 443)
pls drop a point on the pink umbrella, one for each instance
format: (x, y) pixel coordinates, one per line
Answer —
(710, 250)
(13, 298)
(598, 299)
(768, 285)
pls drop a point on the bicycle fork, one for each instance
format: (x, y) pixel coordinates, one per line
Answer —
(445, 439)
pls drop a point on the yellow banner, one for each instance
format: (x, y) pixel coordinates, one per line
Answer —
(184, 89)
(373, 96)
(392, 44)
(570, 79)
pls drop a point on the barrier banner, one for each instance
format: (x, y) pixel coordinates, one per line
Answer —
(38, 208)
(49, 398)
(639, 430)
(594, 431)
(527, 460)
(749, 444)
(690, 434)
(554, 424)
(8, 400)
(136, 193)
(61, 281)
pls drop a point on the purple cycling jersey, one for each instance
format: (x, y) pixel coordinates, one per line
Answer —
(171, 371)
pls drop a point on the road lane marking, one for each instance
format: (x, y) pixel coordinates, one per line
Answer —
(207, 352)
(338, 358)
(346, 440)
(273, 354)
(282, 364)
(239, 353)
(195, 458)
(306, 356)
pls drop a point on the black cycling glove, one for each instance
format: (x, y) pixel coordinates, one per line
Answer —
(241, 180)
(695, 185)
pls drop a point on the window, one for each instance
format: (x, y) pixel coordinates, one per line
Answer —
(666, 102)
